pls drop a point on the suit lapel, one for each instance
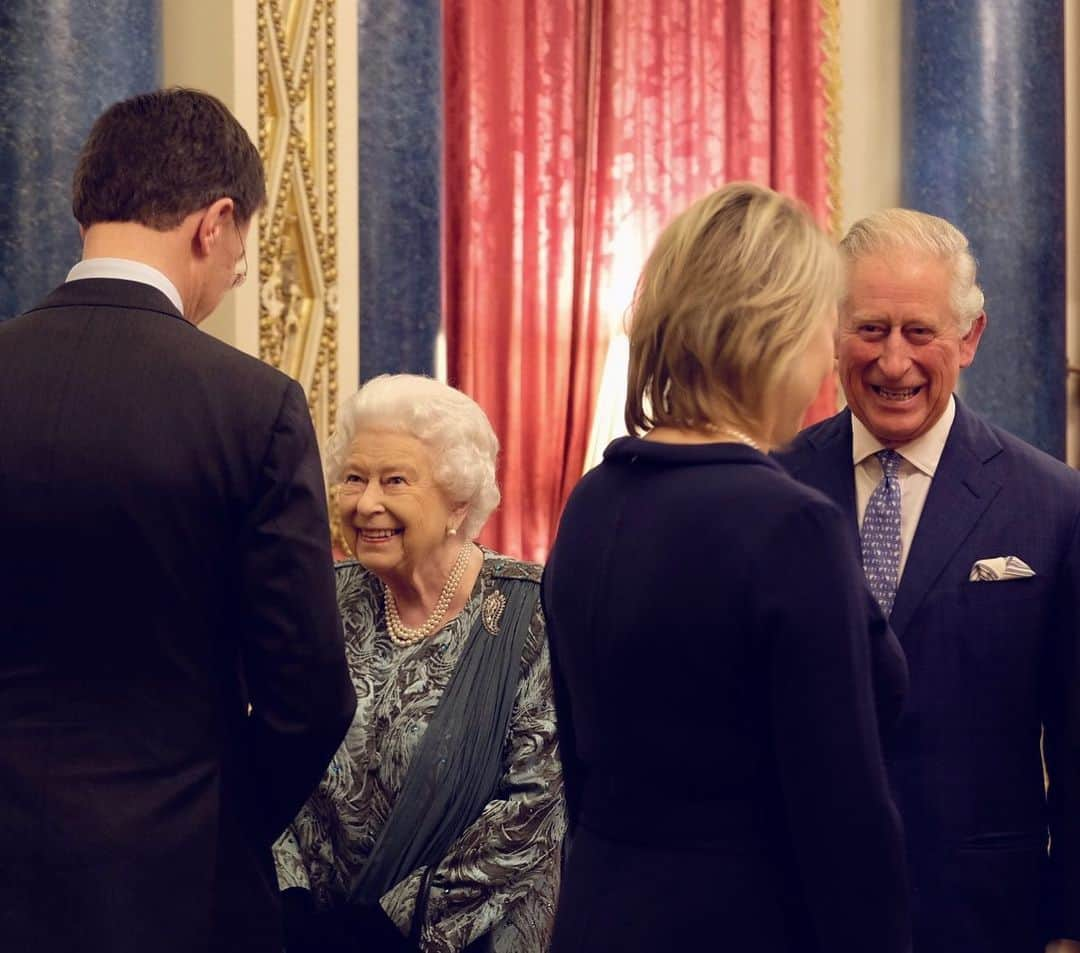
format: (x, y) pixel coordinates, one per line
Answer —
(828, 468)
(959, 494)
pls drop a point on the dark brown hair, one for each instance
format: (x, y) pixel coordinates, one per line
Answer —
(157, 157)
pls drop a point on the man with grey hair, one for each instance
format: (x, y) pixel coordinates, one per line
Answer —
(970, 540)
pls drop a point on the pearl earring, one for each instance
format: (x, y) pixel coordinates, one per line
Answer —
(451, 531)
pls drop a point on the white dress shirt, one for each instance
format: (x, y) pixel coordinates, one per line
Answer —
(918, 464)
(127, 270)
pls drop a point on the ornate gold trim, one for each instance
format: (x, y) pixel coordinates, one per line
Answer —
(298, 265)
(831, 77)
(298, 231)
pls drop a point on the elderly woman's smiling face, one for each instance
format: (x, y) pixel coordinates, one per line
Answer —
(393, 513)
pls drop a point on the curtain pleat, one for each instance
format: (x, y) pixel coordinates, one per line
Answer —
(575, 129)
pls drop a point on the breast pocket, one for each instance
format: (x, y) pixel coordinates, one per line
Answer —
(998, 630)
(990, 893)
(1001, 606)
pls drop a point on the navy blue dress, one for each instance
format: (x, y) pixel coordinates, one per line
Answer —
(719, 693)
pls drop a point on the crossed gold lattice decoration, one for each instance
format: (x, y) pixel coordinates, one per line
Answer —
(298, 270)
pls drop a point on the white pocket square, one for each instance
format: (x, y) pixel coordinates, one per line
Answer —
(1000, 569)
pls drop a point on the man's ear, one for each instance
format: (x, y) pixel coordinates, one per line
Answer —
(216, 217)
(969, 343)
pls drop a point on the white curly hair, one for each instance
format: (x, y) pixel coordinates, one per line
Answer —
(906, 228)
(453, 427)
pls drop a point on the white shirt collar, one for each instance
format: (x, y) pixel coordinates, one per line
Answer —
(924, 452)
(127, 270)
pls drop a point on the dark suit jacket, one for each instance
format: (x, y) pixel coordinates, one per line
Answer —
(991, 664)
(717, 728)
(165, 564)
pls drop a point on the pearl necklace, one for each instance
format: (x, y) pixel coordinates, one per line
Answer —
(401, 634)
(737, 434)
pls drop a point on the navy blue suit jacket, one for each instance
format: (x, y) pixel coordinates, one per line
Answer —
(991, 665)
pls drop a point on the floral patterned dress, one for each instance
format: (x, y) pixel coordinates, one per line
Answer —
(502, 874)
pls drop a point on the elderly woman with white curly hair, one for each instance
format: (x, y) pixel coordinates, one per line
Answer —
(439, 823)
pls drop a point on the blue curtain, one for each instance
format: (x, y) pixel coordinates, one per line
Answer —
(61, 63)
(984, 146)
(400, 130)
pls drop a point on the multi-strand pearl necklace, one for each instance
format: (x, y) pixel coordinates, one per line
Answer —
(401, 634)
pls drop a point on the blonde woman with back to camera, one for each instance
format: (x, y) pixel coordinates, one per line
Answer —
(439, 824)
(714, 674)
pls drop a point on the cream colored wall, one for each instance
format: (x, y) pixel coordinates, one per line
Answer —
(869, 110)
(348, 193)
(870, 107)
(213, 45)
(210, 45)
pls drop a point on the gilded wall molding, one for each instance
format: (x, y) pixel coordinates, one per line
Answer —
(830, 73)
(298, 230)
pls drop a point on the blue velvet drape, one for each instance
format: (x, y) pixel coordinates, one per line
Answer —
(401, 116)
(61, 63)
(984, 146)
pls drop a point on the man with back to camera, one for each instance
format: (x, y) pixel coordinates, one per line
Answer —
(969, 541)
(172, 672)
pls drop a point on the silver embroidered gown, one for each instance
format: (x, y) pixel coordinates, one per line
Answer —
(502, 873)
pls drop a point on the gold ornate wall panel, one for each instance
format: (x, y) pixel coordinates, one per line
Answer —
(298, 231)
(830, 71)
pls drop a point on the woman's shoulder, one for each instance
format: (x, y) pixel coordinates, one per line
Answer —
(358, 595)
(783, 501)
(789, 494)
(761, 511)
(350, 575)
(759, 494)
(499, 566)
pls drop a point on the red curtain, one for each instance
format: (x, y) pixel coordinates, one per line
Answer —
(574, 130)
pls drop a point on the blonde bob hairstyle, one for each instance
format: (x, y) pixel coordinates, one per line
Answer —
(727, 302)
(453, 428)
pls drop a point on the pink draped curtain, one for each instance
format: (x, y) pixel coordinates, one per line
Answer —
(574, 130)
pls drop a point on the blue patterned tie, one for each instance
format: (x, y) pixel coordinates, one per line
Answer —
(881, 533)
